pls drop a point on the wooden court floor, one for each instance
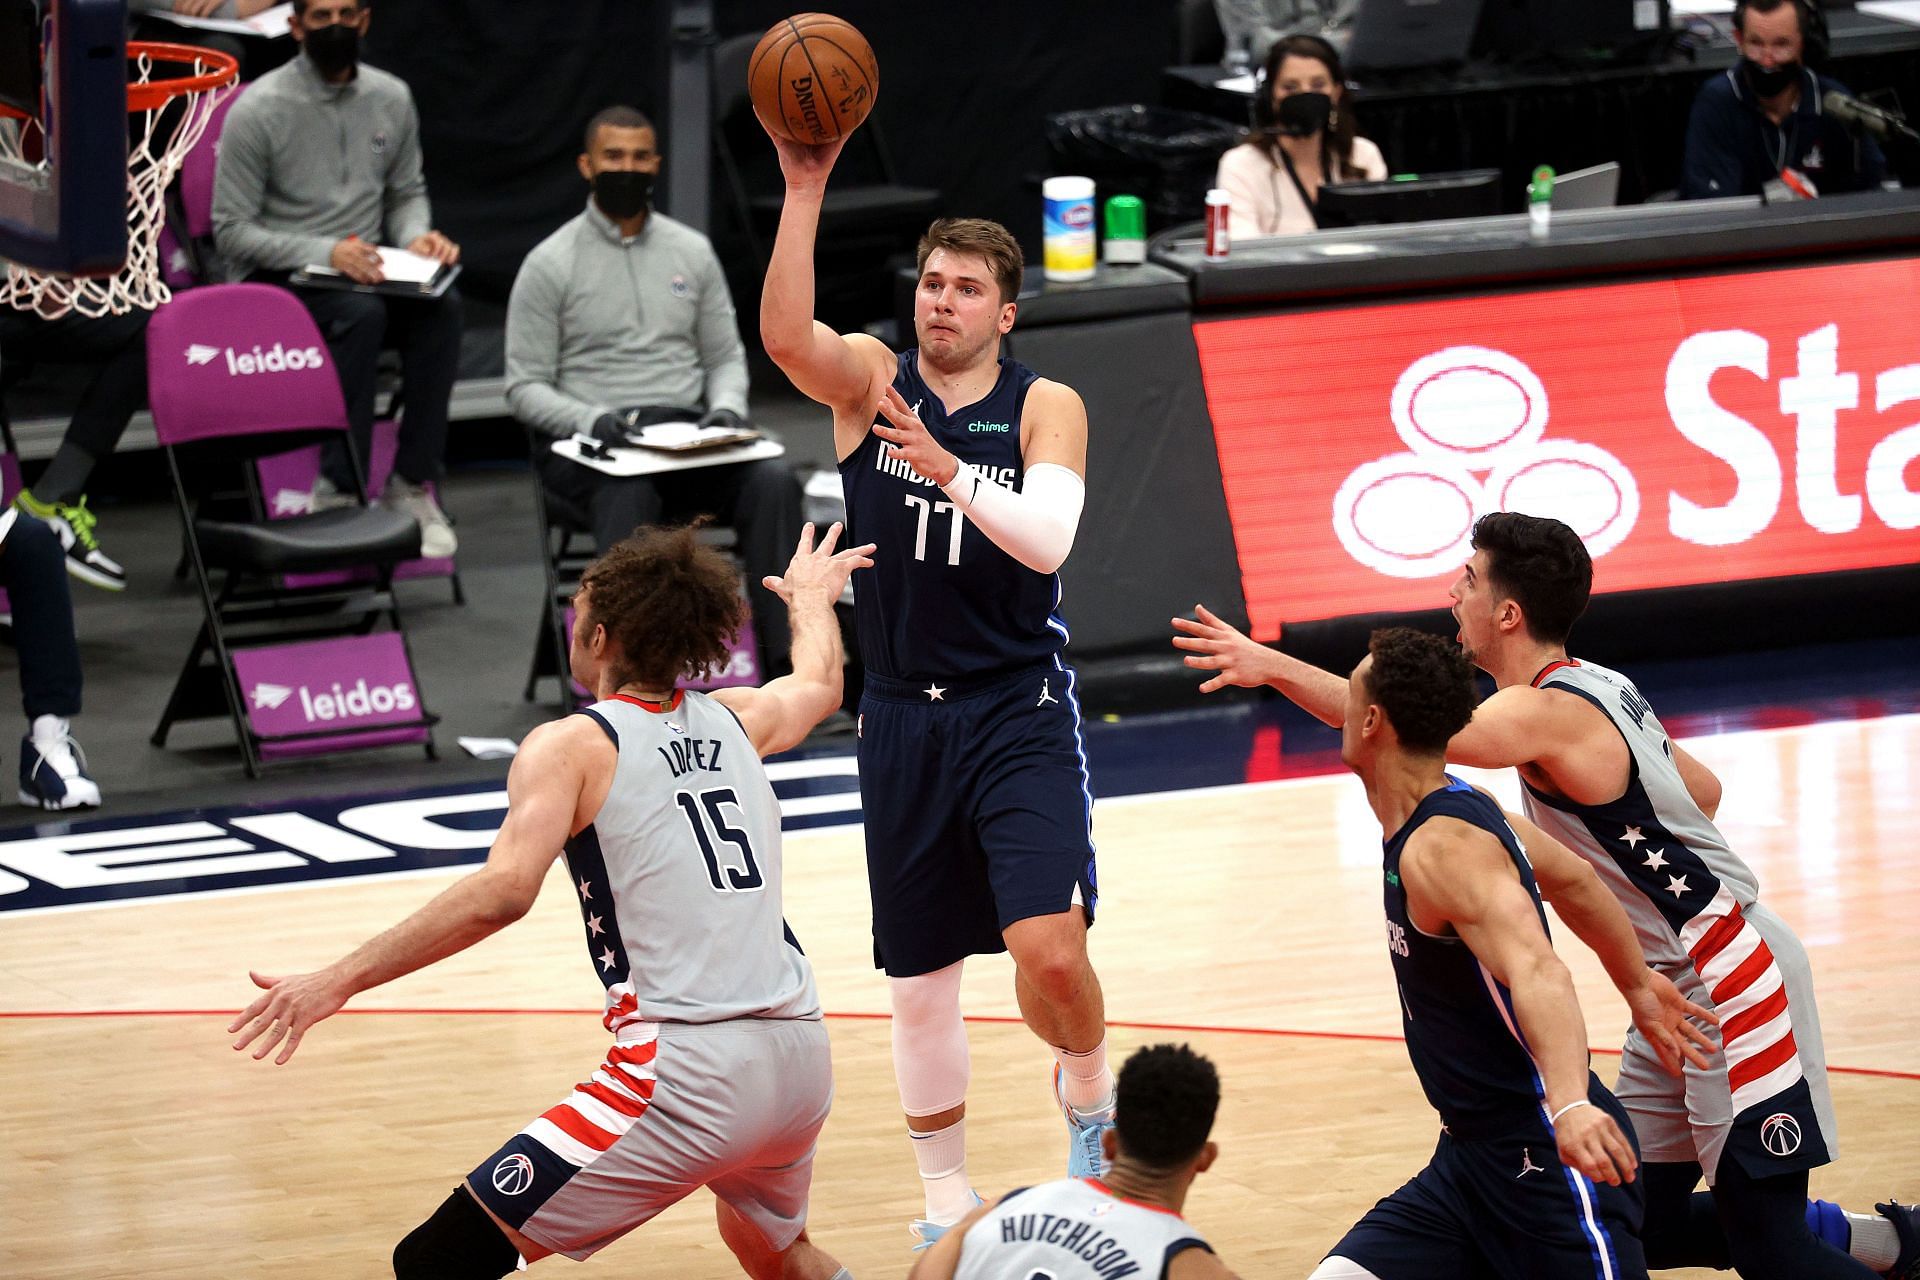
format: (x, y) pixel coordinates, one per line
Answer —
(1244, 920)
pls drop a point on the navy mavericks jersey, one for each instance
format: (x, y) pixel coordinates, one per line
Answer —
(1462, 1033)
(941, 599)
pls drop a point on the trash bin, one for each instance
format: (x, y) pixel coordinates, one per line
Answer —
(1165, 157)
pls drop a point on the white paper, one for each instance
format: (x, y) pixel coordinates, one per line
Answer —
(1898, 10)
(398, 265)
(490, 748)
(268, 23)
(1244, 82)
(1703, 8)
(679, 435)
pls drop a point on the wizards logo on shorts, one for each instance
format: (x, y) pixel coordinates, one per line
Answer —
(1779, 1134)
(513, 1175)
(518, 1178)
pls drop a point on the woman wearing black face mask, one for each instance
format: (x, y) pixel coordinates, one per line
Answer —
(1303, 139)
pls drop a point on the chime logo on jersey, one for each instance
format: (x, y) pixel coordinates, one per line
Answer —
(513, 1175)
(1780, 1134)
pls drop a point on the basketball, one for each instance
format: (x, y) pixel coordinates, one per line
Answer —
(812, 78)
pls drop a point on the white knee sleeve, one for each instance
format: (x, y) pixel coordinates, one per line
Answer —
(1338, 1268)
(929, 1041)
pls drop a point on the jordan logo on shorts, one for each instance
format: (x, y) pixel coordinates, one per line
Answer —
(1527, 1165)
(1045, 697)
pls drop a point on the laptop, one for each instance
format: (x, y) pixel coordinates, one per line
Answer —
(1595, 188)
(1392, 35)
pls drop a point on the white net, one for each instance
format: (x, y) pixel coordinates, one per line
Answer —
(157, 141)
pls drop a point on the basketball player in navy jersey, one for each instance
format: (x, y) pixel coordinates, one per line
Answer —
(1601, 774)
(965, 468)
(719, 1075)
(1533, 1176)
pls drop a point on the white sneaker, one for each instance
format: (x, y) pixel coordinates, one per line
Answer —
(53, 769)
(328, 498)
(437, 540)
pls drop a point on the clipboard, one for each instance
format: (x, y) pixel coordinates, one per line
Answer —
(687, 437)
(619, 460)
(437, 287)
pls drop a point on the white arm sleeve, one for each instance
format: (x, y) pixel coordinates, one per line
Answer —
(1034, 525)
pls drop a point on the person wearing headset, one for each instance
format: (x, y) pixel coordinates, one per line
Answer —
(1302, 140)
(1761, 127)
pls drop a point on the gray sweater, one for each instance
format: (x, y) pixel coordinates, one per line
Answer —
(598, 323)
(304, 164)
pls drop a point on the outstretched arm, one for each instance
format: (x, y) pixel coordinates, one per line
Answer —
(836, 371)
(1460, 877)
(1214, 645)
(781, 713)
(543, 797)
(1597, 919)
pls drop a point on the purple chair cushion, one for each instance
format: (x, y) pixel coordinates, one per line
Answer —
(239, 360)
(197, 169)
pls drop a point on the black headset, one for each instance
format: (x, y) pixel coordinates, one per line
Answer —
(1814, 39)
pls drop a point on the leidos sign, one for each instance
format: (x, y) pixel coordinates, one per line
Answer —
(275, 359)
(1714, 429)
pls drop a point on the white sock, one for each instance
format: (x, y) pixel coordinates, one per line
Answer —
(1085, 1081)
(1875, 1244)
(942, 1157)
(50, 728)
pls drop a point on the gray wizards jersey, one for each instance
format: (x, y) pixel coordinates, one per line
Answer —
(679, 874)
(1075, 1229)
(1693, 902)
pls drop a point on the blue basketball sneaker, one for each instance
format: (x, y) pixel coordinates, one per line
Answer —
(926, 1231)
(1086, 1156)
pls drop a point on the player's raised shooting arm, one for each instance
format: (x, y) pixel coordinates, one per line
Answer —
(1702, 783)
(943, 1259)
(779, 714)
(835, 371)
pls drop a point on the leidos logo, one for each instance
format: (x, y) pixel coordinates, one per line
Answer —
(275, 359)
(270, 696)
(337, 702)
(1474, 419)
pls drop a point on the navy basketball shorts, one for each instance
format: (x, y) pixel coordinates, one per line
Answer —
(1504, 1208)
(978, 811)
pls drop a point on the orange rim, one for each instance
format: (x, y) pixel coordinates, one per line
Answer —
(153, 94)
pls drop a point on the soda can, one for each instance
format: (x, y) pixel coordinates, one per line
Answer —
(1217, 238)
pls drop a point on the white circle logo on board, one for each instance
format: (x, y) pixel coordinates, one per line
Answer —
(1780, 1134)
(513, 1174)
(1474, 421)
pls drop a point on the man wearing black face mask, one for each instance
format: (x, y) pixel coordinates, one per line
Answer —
(1760, 127)
(622, 318)
(319, 163)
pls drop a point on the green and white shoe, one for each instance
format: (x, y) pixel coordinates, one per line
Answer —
(75, 524)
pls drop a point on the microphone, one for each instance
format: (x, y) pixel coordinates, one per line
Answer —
(1856, 114)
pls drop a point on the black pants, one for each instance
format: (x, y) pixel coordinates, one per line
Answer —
(760, 500)
(426, 333)
(1757, 1226)
(116, 344)
(33, 569)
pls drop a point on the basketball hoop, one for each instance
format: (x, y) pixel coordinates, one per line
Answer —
(159, 137)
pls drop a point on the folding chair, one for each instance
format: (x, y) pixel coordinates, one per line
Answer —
(237, 372)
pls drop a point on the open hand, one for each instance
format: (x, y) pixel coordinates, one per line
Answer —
(819, 568)
(804, 164)
(288, 1008)
(911, 442)
(1213, 645)
(1662, 1015)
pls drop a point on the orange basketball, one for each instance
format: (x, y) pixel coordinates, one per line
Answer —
(813, 78)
